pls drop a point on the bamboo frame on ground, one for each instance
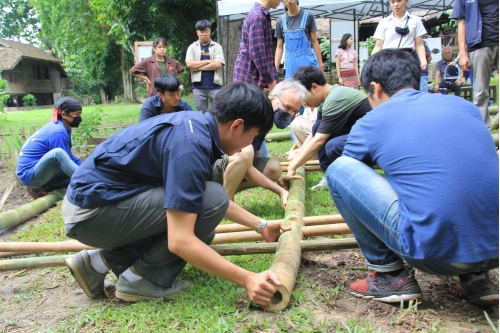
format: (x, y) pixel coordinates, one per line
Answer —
(225, 250)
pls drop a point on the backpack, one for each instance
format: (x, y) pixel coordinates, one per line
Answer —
(452, 72)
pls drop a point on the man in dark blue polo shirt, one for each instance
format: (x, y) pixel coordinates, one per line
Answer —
(167, 100)
(160, 169)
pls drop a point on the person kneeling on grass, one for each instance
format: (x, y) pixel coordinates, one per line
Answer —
(147, 199)
(45, 162)
(437, 207)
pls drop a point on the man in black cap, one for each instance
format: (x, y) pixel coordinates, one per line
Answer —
(45, 162)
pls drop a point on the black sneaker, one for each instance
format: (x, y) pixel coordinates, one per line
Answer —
(477, 289)
(385, 288)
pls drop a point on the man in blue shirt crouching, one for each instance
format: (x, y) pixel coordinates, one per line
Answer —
(146, 198)
(437, 207)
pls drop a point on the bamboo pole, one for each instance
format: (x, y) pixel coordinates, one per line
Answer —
(278, 136)
(6, 195)
(493, 109)
(307, 168)
(225, 250)
(18, 248)
(286, 261)
(494, 122)
(21, 214)
(311, 162)
(308, 220)
(495, 138)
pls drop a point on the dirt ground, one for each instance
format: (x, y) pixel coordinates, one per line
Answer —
(39, 300)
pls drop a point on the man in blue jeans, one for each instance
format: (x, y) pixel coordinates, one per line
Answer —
(45, 162)
(437, 207)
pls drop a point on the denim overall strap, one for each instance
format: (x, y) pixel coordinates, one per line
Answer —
(283, 22)
(298, 52)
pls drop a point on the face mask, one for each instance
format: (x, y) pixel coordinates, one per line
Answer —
(403, 31)
(76, 121)
(282, 119)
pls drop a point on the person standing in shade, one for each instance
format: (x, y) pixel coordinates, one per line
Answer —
(45, 162)
(346, 59)
(400, 30)
(478, 46)
(151, 67)
(296, 32)
(205, 59)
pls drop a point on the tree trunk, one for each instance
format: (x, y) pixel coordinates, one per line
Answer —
(228, 34)
(103, 94)
(128, 91)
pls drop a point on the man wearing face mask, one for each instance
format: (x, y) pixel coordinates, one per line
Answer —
(247, 169)
(339, 108)
(45, 162)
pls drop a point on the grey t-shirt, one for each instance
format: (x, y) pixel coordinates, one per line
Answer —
(293, 23)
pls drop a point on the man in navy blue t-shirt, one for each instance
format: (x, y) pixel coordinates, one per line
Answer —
(437, 206)
(205, 59)
(146, 198)
(167, 98)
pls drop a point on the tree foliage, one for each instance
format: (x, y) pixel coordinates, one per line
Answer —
(18, 20)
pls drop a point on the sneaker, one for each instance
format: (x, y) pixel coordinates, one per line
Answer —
(143, 290)
(322, 183)
(477, 289)
(37, 193)
(88, 278)
(385, 288)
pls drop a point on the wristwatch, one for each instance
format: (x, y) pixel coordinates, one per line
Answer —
(262, 226)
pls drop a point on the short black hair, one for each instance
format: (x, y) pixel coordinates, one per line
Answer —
(393, 69)
(203, 24)
(307, 75)
(158, 41)
(343, 41)
(241, 100)
(167, 82)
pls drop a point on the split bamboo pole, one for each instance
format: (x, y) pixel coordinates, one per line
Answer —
(18, 248)
(308, 220)
(286, 261)
(225, 250)
(278, 136)
(311, 162)
(13, 217)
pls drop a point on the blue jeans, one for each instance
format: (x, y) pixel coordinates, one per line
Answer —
(369, 206)
(53, 171)
(424, 83)
(263, 150)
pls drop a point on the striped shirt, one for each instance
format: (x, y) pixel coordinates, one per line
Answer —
(255, 61)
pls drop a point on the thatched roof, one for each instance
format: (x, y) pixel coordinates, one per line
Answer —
(12, 52)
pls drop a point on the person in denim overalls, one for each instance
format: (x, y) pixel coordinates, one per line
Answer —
(298, 50)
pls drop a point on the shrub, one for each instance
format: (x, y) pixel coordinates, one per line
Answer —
(86, 130)
(29, 101)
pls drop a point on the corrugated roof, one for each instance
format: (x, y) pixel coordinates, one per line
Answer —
(14, 51)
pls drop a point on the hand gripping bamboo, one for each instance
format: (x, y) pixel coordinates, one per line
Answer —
(286, 261)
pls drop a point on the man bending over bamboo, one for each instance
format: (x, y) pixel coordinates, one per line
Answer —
(147, 199)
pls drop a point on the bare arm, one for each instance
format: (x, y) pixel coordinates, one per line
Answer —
(378, 46)
(437, 79)
(315, 45)
(462, 54)
(419, 46)
(307, 151)
(183, 242)
(337, 63)
(142, 77)
(357, 70)
(195, 64)
(279, 53)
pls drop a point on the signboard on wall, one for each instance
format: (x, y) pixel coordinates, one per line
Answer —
(142, 50)
(337, 29)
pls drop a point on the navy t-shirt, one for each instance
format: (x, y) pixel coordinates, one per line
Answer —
(152, 107)
(441, 160)
(174, 150)
(207, 77)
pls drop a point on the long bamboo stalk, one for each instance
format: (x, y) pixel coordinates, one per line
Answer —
(493, 110)
(307, 168)
(17, 248)
(311, 162)
(13, 217)
(225, 250)
(286, 261)
(308, 220)
(278, 136)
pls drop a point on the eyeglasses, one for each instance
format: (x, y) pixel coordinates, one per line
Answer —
(287, 107)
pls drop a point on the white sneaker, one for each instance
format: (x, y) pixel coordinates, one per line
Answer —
(322, 183)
